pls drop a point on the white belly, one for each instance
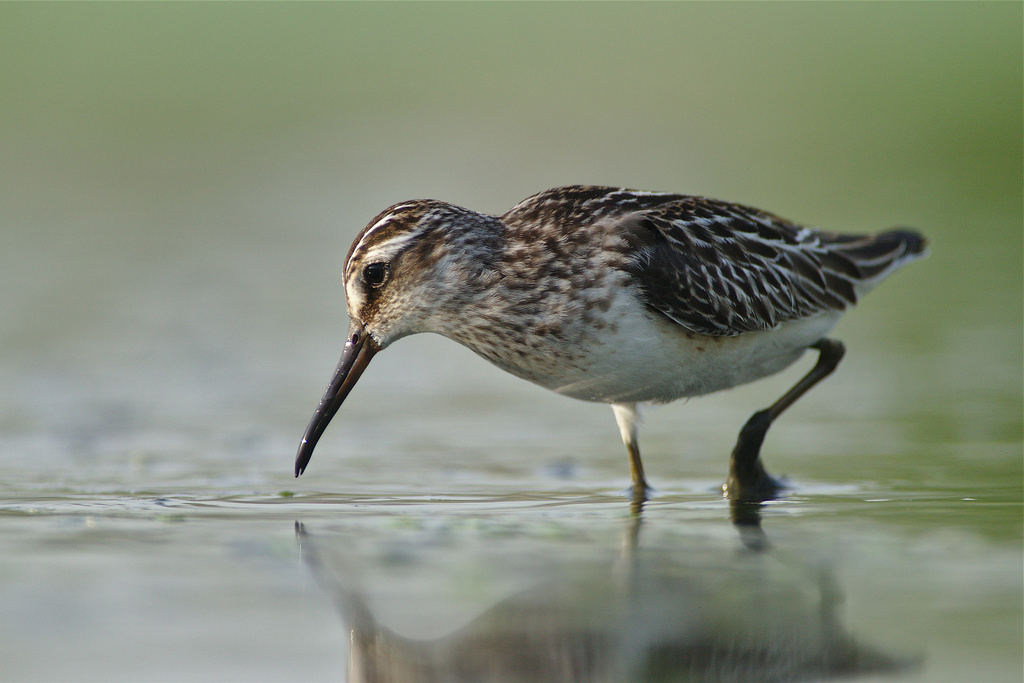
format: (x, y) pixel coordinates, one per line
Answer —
(648, 358)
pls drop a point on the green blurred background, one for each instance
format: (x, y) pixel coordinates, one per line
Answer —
(871, 101)
(125, 128)
(181, 181)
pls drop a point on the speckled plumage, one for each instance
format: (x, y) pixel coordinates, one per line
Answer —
(607, 294)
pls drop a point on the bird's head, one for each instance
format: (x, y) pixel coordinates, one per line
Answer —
(407, 271)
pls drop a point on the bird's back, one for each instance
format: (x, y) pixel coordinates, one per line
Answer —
(719, 268)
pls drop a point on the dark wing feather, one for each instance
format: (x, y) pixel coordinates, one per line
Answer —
(723, 269)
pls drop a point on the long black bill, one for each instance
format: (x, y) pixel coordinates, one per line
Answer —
(359, 349)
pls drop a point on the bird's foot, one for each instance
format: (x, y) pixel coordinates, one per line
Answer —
(640, 493)
(748, 480)
(753, 488)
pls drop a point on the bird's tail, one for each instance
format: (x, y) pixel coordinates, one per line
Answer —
(875, 257)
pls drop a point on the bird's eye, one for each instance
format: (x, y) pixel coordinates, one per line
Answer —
(375, 273)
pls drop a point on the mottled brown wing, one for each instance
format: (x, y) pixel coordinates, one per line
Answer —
(723, 269)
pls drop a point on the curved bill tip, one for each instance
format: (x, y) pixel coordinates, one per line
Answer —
(359, 349)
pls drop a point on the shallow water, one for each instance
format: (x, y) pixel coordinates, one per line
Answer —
(173, 227)
(118, 586)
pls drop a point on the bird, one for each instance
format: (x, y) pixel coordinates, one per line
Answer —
(614, 296)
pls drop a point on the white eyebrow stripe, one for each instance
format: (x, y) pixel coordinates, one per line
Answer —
(386, 250)
(388, 218)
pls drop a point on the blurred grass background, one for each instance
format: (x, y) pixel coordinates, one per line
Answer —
(781, 102)
(181, 181)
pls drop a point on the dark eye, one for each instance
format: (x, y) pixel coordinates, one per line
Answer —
(375, 274)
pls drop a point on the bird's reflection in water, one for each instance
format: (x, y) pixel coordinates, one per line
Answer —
(649, 615)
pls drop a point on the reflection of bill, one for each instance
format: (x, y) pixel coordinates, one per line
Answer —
(645, 617)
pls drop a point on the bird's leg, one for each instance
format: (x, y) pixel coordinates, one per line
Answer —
(628, 419)
(636, 473)
(748, 479)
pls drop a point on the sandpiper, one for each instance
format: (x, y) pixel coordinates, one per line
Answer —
(614, 296)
